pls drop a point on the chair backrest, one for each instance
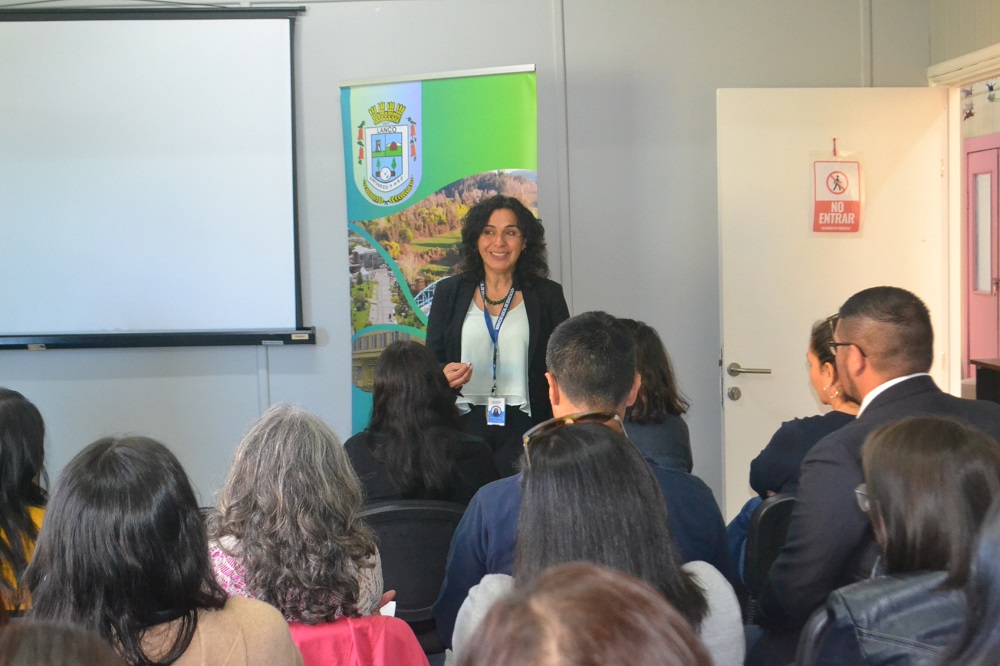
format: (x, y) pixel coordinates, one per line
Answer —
(413, 540)
(765, 537)
(376, 640)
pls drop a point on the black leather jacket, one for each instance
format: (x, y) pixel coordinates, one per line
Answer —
(902, 619)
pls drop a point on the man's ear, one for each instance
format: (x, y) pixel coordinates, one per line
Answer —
(856, 361)
(554, 393)
(634, 393)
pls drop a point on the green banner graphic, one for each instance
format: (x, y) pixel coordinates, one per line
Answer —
(417, 156)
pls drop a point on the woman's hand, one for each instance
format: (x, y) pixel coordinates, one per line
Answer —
(458, 374)
(386, 598)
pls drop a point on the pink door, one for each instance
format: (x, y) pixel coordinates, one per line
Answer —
(982, 249)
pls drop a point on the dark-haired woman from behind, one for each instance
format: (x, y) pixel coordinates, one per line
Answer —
(124, 555)
(654, 423)
(414, 447)
(589, 496)
(980, 641)
(929, 483)
(22, 499)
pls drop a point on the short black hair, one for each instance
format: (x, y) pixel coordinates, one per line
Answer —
(592, 356)
(893, 328)
(124, 548)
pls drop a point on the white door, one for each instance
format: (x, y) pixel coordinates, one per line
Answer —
(778, 276)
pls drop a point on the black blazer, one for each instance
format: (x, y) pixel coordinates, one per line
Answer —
(830, 543)
(545, 306)
(902, 619)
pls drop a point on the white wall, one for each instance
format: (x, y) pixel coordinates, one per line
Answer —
(631, 221)
(200, 401)
(962, 26)
(641, 80)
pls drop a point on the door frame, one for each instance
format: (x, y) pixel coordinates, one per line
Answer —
(990, 142)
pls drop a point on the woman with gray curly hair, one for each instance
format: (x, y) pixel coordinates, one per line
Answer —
(286, 528)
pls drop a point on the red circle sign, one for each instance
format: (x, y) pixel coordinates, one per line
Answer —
(837, 182)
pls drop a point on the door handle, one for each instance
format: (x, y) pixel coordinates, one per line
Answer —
(735, 370)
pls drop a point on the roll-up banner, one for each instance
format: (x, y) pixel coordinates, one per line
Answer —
(418, 153)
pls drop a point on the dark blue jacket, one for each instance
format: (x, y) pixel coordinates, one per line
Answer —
(484, 540)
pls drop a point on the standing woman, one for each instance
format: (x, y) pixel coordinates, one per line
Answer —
(22, 500)
(489, 325)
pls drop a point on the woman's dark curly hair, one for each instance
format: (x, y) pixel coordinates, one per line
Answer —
(533, 262)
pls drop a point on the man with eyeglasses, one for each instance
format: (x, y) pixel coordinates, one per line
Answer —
(592, 376)
(884, 348)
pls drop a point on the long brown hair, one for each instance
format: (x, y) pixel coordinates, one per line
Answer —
(585, 615)
(415, 423)
(586, 492)
(930, 481)
(659, 395)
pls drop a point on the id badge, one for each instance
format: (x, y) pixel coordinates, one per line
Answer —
(496, 412)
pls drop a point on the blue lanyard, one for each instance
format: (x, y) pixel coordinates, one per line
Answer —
(495, 332)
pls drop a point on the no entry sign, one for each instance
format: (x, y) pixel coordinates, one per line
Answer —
(837, 187)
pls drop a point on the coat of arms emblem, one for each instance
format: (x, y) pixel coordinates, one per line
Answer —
(388, 150)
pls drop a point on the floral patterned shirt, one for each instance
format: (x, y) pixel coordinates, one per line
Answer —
(231, 576)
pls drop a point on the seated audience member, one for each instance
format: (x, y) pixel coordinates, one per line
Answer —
(654, 423)
(588, 496)
(584, 615)
(32, 643)
(286, 528)
(414, 447)
(928, 486)
(884, 347)
(979, 643)
(22, 460)
(776, 469)
(124, 555)
(591, 361)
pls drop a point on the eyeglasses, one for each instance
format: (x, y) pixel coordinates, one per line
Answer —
(609, 419)
(861, 495)
(833, 347)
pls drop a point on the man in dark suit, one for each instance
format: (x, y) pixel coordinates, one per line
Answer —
(884, 347)
(591, 361)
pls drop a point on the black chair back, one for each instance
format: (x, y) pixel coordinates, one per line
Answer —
(413, 540)
(765, 537)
